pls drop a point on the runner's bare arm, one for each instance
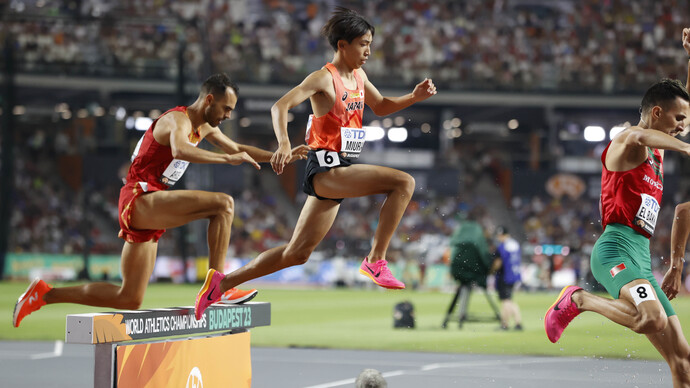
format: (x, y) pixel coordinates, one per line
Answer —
(639, 137)
(686, 46)
(173, 129)
(383, 106)
(679, 238)
(219, 139)
(315, 82)
(630, 146)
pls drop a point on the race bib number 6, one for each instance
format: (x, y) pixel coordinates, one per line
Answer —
(327, 158)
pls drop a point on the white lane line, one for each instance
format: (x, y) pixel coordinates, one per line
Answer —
(334, 384)
(57, 352)
(434, 366)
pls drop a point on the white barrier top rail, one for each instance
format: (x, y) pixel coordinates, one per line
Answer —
(128, 325)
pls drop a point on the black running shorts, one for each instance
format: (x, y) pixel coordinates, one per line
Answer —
(321, 161)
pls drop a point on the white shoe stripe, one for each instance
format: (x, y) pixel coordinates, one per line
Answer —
(20, 302)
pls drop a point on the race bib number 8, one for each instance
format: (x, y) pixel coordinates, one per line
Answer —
(647, 214)
(642, 293)
(327, 158)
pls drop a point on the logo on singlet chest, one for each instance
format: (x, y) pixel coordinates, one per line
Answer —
(354, 105)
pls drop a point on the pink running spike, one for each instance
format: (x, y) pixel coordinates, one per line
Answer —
(210, 292)
(561, 313)
(380, 274)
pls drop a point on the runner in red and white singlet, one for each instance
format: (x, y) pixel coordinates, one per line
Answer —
(153, 168)
(147, 207)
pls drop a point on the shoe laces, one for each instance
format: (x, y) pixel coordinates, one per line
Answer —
(381, 266)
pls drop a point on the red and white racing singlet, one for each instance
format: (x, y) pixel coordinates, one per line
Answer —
(153, 165)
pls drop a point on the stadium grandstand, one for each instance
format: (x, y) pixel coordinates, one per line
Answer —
(529, 94)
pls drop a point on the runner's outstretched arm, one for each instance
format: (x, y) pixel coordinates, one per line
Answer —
(316, 82)
(638, 137)
(230, 147)
(383, 106)
(174, 129)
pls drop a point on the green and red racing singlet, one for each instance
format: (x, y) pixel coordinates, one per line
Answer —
(633, 197)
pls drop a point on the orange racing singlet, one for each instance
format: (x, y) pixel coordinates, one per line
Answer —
(340, 130)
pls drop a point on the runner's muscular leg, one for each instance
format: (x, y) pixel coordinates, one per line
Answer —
(673, 346)
(360, 180)
(647, 317)
(137, 265)
(314, 222)
(169, 209)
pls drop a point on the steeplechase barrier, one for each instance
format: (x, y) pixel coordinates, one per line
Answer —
(168, 347)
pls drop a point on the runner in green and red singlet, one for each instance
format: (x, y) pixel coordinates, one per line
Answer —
(632, 183)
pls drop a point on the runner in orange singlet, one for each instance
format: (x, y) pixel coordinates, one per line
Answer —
(337, 93)
(147, 207)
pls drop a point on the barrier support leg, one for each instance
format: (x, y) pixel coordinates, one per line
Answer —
(104, 365)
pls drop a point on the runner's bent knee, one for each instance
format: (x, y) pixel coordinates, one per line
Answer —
(408, 183)
(225, 203)
(129, 301)
(297, 256)
(298, 253)
(651, 322)
(404, 182)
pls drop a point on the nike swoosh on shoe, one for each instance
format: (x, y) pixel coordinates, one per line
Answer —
(372, 272)
(556, 308)
(208, 297)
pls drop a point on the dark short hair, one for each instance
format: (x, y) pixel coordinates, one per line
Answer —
(663, 93)
(217, 83)
(501, 230)
(347, 25)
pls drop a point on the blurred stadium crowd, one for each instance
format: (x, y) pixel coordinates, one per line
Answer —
(50, 216)
(562, 46)
(611, 46)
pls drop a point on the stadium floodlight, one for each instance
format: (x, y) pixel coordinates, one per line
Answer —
(615, 131)
(373, 133)
(19, 110)
(120, 114)
(594, 133)
(397, 134)
(142, 123)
